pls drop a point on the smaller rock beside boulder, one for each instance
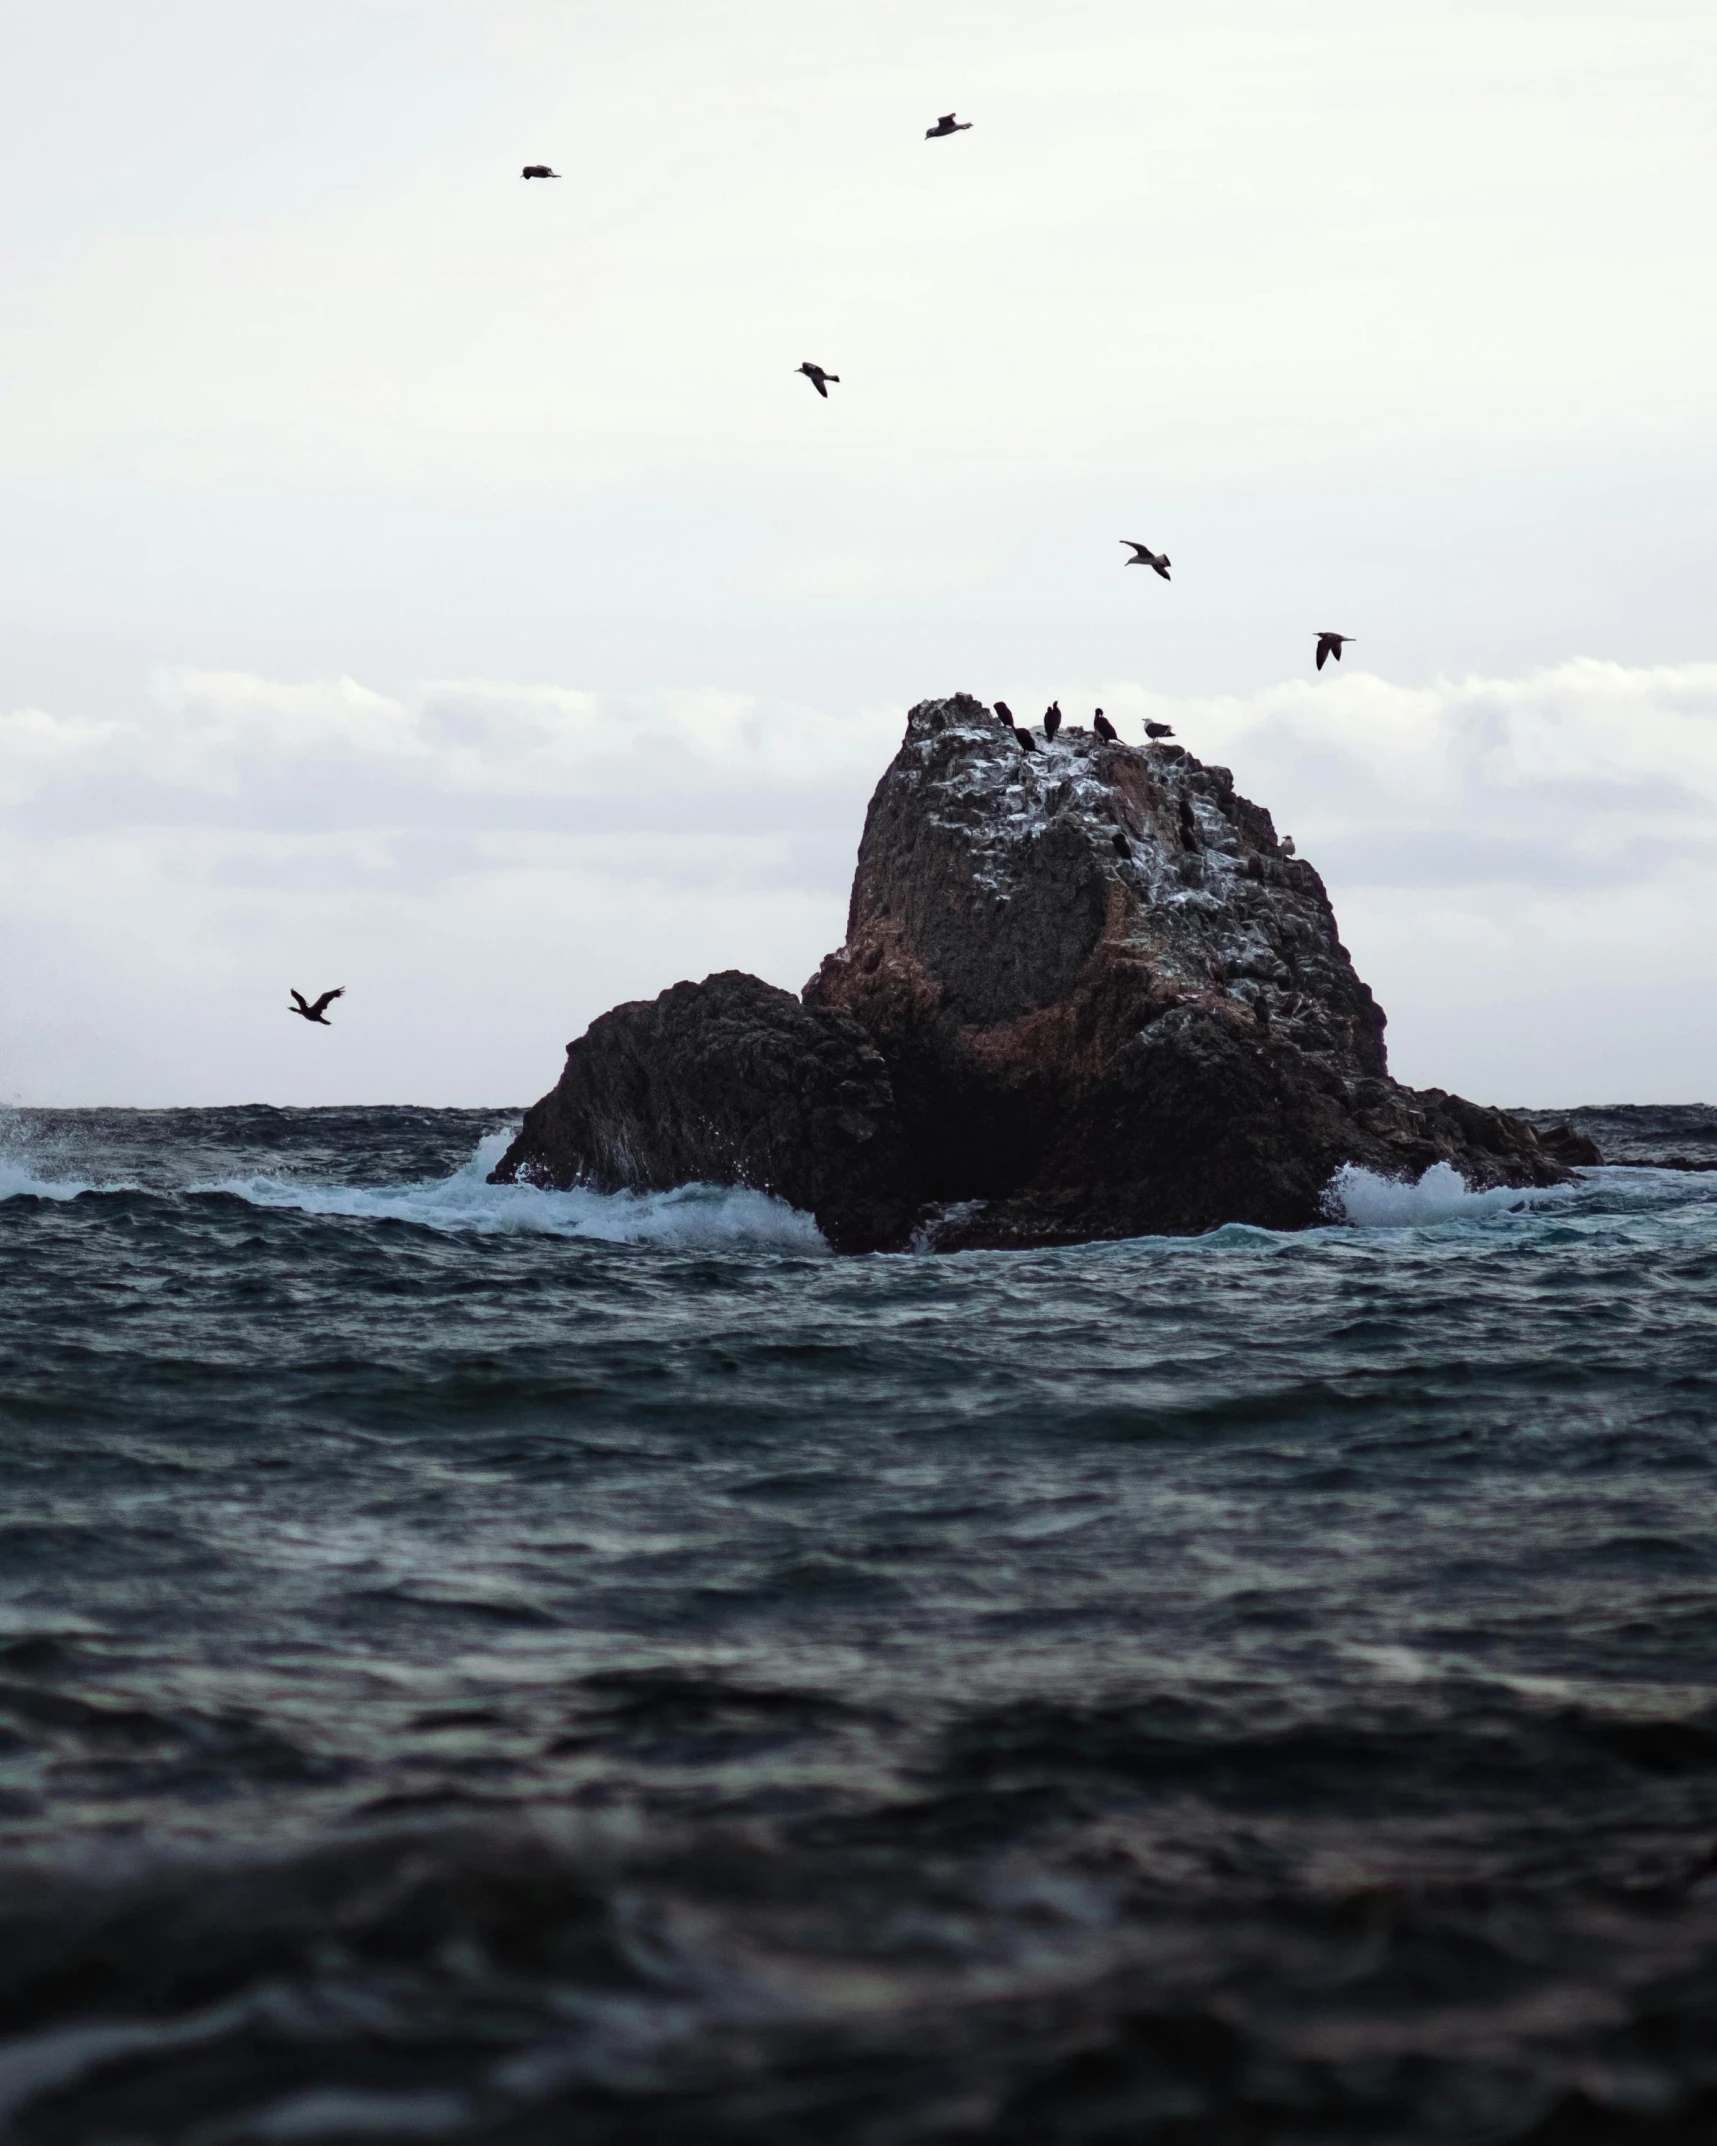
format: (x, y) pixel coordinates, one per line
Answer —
(1567, 1144)
(728, 1082)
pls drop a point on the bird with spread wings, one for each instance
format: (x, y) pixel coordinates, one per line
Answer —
(319, 1012)
(1144, 556)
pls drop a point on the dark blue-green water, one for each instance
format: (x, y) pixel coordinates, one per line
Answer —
(478, 1664)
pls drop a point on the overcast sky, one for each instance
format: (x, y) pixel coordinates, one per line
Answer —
(420, 580)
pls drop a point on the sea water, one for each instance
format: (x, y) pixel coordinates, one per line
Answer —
(483, 1664)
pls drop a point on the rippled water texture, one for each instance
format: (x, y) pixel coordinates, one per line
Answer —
(484, 1664)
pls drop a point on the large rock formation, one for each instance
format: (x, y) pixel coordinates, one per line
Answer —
(1084, 993)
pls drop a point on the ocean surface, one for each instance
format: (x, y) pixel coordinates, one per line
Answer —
(481, 1664)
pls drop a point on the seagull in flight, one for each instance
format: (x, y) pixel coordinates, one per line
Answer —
(1144, 556)
(538, 171)
(947, 124)
(319, 1012)
(817, 377)
(1331, 644)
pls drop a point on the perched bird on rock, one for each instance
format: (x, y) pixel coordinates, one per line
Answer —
(947, 124)
(1123, 848)
(817, 377)
(1104, 728)
(1004, 715)
(319, 1012)
(1331, 644)
(538, 171)
(1287, 845)
(1025, 741)
(1052, 719)
(1144, 556)
(1158, 730)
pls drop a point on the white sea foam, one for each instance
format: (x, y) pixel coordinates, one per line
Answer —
(688, 1217)
(19, 1181)
(22, 1166)
(1367, 1200)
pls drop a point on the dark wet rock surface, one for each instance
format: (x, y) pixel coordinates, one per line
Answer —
(729, 1082)
(1641, 1136)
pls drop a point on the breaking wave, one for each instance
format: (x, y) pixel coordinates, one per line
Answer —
(689, 1216)
(465, 1202)
(1367, 1200)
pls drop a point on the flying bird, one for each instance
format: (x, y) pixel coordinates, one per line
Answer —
(1004, 715)
(1144, 556)
(1104, 728)
(1158, 730)
(947, 124)
(1025, 741)
(1331, 644)
(817, 377)
(538, 171)
(319, 1012)
(1052, 719)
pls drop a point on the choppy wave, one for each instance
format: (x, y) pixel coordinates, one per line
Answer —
(464, 1202)
(30, 1165)
(462, 1684)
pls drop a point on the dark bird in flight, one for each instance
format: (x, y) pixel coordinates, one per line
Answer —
(1025, 741)
(1123, 848)
(538, 171)
(1004, 715)
(1052, 719)
(1104, 728)
(817, 377)
(947, 124)
(319, 1012)
(1331, 644)
(1158, 730)
(1144, 556)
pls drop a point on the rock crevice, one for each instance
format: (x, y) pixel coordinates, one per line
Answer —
(1084, 993)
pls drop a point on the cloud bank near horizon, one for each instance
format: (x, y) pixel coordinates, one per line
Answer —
(1517, 863)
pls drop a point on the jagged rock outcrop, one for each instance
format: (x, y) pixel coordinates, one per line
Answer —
(1084, 993)
(729, 1082)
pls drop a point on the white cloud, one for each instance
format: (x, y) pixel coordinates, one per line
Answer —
(1522, 867)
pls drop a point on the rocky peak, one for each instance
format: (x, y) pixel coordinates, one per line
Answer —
(997, 873)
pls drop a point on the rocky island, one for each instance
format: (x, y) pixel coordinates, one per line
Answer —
(1085, 992)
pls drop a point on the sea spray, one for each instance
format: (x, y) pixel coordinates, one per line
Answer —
(1365, 1200)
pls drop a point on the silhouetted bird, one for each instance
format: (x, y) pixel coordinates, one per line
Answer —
(1144, 556)
(538, 171)
(1104, 728)
(1004, 715)
(319, 1012)
(1158, 730)
(947, 124)
(1052, 719)
(1331, 644)
(1025, 741)
(1123, 848)
(816, 375)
